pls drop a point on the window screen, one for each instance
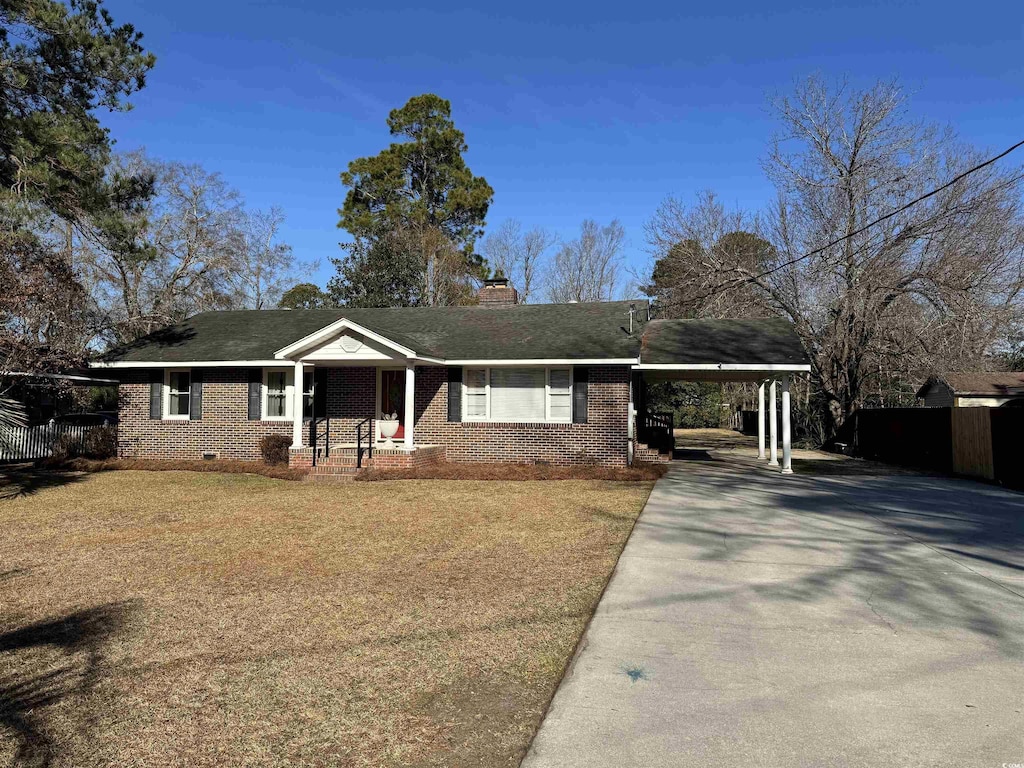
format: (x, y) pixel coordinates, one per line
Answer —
(476, 393)
(560, 402)
(277, 394)
(517, 394)
(178, 386)
(307, 394)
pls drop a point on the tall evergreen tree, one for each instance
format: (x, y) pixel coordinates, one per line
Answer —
(60, 64)
(415, 212)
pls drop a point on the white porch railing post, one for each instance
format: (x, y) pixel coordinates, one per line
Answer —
(760, 421)
(787, 450)
(773, 418)
(410, 402)
(297, 406)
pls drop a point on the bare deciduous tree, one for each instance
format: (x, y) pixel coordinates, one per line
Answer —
(588, 268)
(517, 255)
(196, 248)
(703, 252)
(263, 266)
(932, 288)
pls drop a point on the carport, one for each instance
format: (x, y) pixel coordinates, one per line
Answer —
(766, 351)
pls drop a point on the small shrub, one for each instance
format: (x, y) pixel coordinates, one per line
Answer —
(100, 443)
(274, 449)
(66, 447)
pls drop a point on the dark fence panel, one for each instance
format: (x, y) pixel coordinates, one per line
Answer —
(1008, 446)
(748, 423)
(917, 437)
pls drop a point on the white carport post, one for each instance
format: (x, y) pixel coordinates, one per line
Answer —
(760, 421)
(297, 406)
(773, 418)
(410, 401)
(787, 450)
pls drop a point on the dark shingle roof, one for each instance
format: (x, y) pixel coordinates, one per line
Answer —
(571, 331)
(996, 384)
(766, 341)
(532, 331)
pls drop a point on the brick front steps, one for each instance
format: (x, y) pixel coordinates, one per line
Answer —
(650, 455)
(340, 466)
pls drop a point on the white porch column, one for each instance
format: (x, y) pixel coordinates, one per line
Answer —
(787, 450)
(760, 420)
(773, 418)
(297, 406)
(410, 401)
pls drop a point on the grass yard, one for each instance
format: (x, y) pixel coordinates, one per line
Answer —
(176, 618)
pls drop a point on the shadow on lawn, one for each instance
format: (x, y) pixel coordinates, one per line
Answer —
(28, 479)
(71, 669)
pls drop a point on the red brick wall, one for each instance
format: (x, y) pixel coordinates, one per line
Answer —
(351, 397)
(602, 440)
(225, 428)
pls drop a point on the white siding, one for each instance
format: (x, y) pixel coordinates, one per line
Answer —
(981, 402)
(350, 346)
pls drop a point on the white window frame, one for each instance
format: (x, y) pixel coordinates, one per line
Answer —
(547, 393)
(289, 394)
(487, 387)
(166, 399)
(487, 393)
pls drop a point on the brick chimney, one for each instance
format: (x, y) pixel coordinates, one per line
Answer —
(497, 292)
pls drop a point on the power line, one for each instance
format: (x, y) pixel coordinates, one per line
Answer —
(895, 212)
(868, 226)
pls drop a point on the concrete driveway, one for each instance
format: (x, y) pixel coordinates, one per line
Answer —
(762, 620)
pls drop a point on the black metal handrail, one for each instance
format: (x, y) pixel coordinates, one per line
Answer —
(658, 430)
(368, 422)
(320, 427)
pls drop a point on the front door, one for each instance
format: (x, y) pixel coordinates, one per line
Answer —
(392, 397)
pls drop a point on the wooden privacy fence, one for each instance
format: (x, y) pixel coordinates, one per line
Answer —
(986, 443)
(972, 442)
(27, 443)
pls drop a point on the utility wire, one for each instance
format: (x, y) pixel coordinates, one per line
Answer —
(895, 212)
(868, 226)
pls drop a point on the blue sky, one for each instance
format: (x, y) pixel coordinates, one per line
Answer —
(571, 110)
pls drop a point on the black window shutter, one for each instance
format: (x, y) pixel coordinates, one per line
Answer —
(454, 394)
(255, 393)
(580, 387)
(320, 392)
(195, 395)
(156, 393)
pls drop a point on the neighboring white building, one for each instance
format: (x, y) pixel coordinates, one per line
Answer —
(964, 390)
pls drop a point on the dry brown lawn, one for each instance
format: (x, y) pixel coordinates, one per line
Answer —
(176, 618)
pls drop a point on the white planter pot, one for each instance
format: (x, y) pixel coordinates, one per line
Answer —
(388, 429)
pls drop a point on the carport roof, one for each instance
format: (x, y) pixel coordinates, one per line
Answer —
(769, 342)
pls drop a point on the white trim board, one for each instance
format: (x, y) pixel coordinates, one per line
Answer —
(415, 358)
(630, 361)
(545, 361)
(188, 364)
(770, 367)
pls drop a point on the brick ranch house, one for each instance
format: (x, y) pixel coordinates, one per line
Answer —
(497, 382)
